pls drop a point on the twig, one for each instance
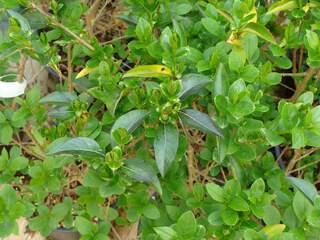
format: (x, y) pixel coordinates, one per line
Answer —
(300, 57)
(294, 60)
(301, 74)
(90, 17)
(70, 85)
(115, 232)
(305, 166)
(302, 86)
(297, 157)
(21, 68)
(64, 28)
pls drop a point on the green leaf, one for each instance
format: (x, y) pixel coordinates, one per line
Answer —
(305, 187)
(283, 5)
(221, 81)
(260, 31)
(25, 27)
(193, 84)
(229, 217)
(6, 133)
(183, 9)
(18, 163)
(273, 230)
(226, 15)
(272, 78)
(151, 212)
(200, 121)
(212, 26)
(301, 206)
(271, 215)
(273, 138)
(216, 192)
(239, 204)
(140, 170)
(257, 188)
(130, 121)
(83, 225)
(58, 98)
(143, 30)
(77, 146)
(166, 145)
(237, 59)
(312, 39)
(187, 225)
(298, 138)
(148, 71)
(166, 233)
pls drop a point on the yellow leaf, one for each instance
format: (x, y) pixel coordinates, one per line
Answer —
(273, 229)
(253, 12)
(85, 72)
(149, 71)
(283, 5)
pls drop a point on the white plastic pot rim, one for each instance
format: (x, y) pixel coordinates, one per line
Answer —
(12, 89)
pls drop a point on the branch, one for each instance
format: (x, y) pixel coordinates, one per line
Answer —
(64, 28)
(302, 86)
(90, 17)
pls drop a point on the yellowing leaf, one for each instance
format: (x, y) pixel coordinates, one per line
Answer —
(234, 39)
(85, 72)
(282, 6)
(261, 31)
(273, 229)
(253, 12)
(149, 71)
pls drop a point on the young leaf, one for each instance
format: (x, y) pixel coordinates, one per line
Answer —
(149, 71)
(261, 31)
(216, 192)
(221, 81)
(140, 170)
(283, 5)
(166, 233)
(273, 230)
(193, 84)
(200, 121)
(25, 27)
(58, 98)
(130, 121)
(77, 146)
(305, 187)
(186, 225)
(165, 146)
(85, 72)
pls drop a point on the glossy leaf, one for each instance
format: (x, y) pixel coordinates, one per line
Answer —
(58, 98)
(305, 187)
(221, 81)
(200, 121)
(283, 5)
(193, 84)
(140, 170)
(76, 146)
(130, 121)
(166, 145)
(148, 71)
(261, 31)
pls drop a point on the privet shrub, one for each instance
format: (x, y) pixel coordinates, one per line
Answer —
(192, 119)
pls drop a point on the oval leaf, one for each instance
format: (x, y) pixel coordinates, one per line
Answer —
(140, 170)
(273, 230)
(221, 81)
(85, 72)
(200, 121)
(130, 120)
(77, 146)
(193, 84)
(282, 6)
(58, 98)
(260, 31)
(149, 71)
(165, 146)
(305, 187)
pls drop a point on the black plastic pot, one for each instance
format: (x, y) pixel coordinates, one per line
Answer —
(64, 234)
